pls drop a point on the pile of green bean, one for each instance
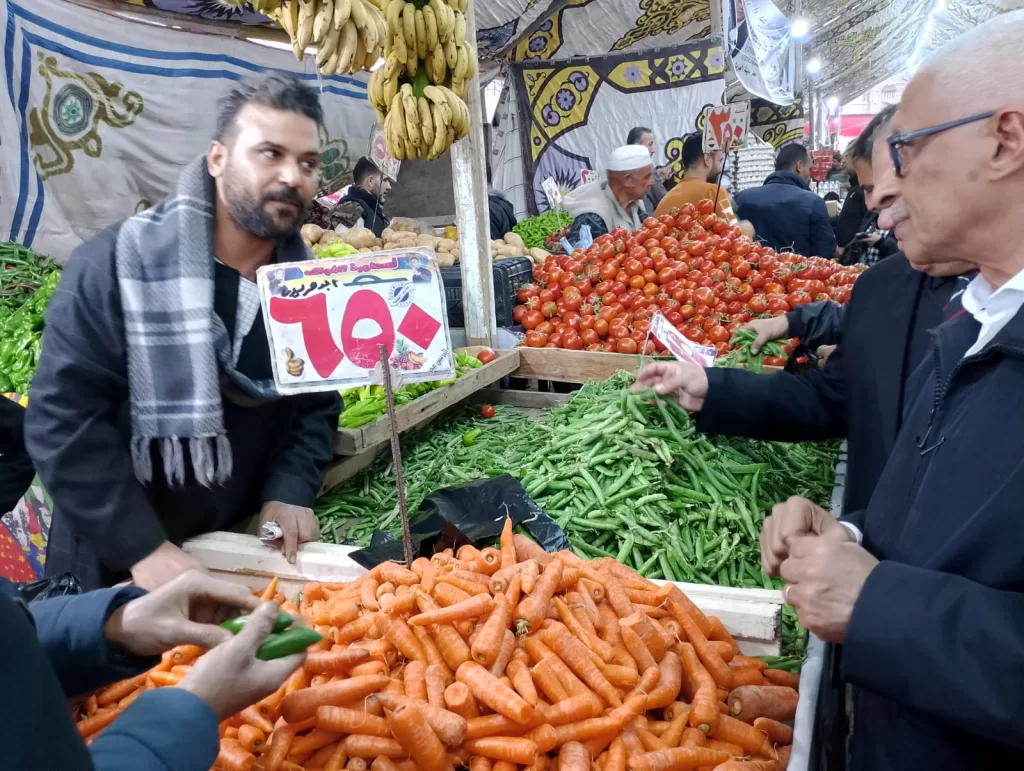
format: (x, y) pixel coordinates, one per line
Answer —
(27, 280)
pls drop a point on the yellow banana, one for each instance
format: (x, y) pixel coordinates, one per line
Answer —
(392, 66)
(342, 13)
(398, 124)
(460, 29)
(430, 27)
(347, 47)
(398, 47)
(409, 27)
(359, 16)
(459, 87)
(460, 116)
(444, 26)
(461, 63)
(327, 46)
(382, 27)
(440, 130)
(394, 18)
(389, 88)
(471, 65)
(368, 32)
(307, 15)
(440, 64)
(421, 35)
(426, 123)
(451, 53)
(322, 19)
(444, 99)
(412, 129)
(358, 57)
(411, 62)
(373, 88)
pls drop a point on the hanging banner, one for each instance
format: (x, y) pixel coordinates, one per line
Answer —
(378, 153)
(725, 127)
(679, 345)
(758, 39)
(100, 115)
(576, 113)
(326, 318)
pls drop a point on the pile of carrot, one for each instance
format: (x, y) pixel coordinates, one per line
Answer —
(500, 659)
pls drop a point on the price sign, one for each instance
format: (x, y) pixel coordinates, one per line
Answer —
(378, 152)
(326, 318)
(725, 127)
(551, 191)
(587, 176)
(679, 346)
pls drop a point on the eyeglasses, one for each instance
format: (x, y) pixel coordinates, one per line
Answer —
(898, 141)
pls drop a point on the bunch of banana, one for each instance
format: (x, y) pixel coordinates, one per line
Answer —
(349, 34)
(426, 44)
(265, 7)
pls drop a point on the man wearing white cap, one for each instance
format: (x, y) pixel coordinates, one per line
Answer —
(617, 201)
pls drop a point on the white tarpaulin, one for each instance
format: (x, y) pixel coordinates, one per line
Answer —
(99, 115)
(575, 113)
(759, 47)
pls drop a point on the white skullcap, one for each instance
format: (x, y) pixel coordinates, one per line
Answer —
(629, 158)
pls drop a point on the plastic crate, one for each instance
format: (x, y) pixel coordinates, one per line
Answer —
(509, 275)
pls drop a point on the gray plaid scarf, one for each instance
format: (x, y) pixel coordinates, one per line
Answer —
(177, 345)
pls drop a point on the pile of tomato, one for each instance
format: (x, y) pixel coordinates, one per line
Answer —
(699, 271)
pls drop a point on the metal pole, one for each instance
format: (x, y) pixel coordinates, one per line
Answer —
(396, 453)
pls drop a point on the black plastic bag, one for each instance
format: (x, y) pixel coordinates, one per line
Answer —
(470, 514)
(64, 585)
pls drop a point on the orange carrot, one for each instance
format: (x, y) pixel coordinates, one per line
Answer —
(747, 662)
(119, 690)
(280, 745)
(636, 648)
(546, 679)
(359, 746)
(678, 759)
(270, 590)
(730, 729)
(722, 648)
(368, 594)
(251, 738)
(631, 743)
(679, 604)
(447, 595)
(573, 710)
(534, 608)
(342, 720)
(356, 629)
(615, 758)
(615, 593)
(396, 574)
(413, 732)
(338, 758)
(415, 679)
(717, 668)
(519, 674)
(460, 701)
(747, 765)
(674, 733)
(775, 701)
(704, 714)
(575, 655)
(649, 740)
(529, 574)
(734, 750)
(582, 730)
(508, 647)
(460, 582)
(511, 749)
(777, 733)
(669, 683)
(335, 662)
(479, 763)
(449, 727)
(400, 635)
(573, 756)
(252, 716)
(782, 677)
(783, 759)
(435, 684)
(545, 737)
(488, 640)
(745, 677)
(234, 757)
(693, 737)
(383, 764)
(434, 656)
(473, 607)
(307, 744)
(355, 764)
(492, 725)
(508, 548)
(649, 632)
(573, 624)
(98, 722)
(486, 688)
(526, 549)
(303, 704)
(514, 592)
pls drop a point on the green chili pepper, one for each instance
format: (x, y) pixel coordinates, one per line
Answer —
(286, 643)
(469, 438)
(235, 625)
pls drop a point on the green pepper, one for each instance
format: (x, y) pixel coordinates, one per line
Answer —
(281, 644)
(234, 625)
(469, 438)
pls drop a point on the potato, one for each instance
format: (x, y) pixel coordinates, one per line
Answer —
(359, 237)
(311, 232)
(328, 238)
(388, 234)
(513, 239)
(446, 245)
(428, 241)
(539, 255)
(445, 261)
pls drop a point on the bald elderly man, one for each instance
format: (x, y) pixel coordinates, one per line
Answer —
(925, 587)
(616, 201)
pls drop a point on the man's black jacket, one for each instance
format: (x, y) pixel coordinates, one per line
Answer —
(935, 644)
(857, 395)
(786, 215)
(373, 212)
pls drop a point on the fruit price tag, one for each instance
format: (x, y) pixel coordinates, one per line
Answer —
(326, 318)
(587, 176)
(679, 346)
(378, 152)
(551, 191)
(725, 127)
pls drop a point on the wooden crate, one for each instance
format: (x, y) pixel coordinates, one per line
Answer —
(752, 616)
(353, 441)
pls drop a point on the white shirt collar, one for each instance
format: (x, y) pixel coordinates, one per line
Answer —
(992, 308)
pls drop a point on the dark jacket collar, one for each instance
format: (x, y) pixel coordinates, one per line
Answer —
(358, 194)
(787, 178)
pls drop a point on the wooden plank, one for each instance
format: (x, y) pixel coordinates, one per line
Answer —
(353, 441)
(528, 399)
(245, 559)
(573, 366)
(469, 176)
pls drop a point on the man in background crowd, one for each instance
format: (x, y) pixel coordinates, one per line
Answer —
(500, 210)
(838, 169)
(701, 173)
(784, 212)
(641, 135)
(154, 416)
(616, 201)
(369, 188)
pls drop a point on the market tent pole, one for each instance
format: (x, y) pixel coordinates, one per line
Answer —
(470, 181)
(396, 453)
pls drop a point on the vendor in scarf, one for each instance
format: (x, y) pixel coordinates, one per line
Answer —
(154, 416)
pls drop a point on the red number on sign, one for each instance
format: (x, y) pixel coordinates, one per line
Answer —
(717, 119)
(365, 304)
(311, 313)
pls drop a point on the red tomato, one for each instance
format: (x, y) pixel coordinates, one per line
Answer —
(589, 337)
(533, 319)
(650, 222)
(842, 294)
(603, 287)
(546, 296)
(536, 340)
(687, 311)
(704, 296)
(626, 345)
(549, 309)
(758, 304)
(708, 221)
(707, 206)
(487, 412)
(633, 266)
(775, 361)
(607, 313)
(601, 327)
(718, 334)
(696, 334)
(518, 312)
(757, 280)
(637, 281)
(650, 276)
(651, 289)
(799, 297)
(545, 327)
(695, 248)
(740, 268)
(526, 291)
(609, 269)
(619, 288)
(777, 304)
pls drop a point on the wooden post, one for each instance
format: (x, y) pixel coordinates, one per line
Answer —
(470, 177)
(396, 453)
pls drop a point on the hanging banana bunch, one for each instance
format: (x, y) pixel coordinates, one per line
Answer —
(419, 92)
(349, 34)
